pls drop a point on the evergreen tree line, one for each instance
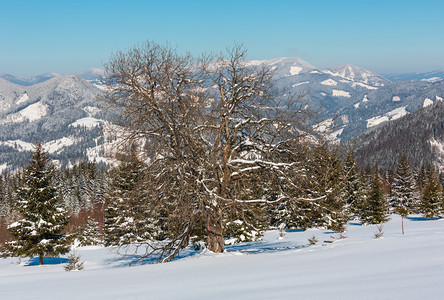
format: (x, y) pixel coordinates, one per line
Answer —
(123, 198)
(132, 214)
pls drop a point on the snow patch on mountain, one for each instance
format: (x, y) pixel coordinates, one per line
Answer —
(397, 113)
(295, 70)
(438, 98)
(50, 147)
(23, 98)
(56, 146)
(432, 79)
(427, 102)
(91, 110)
(88, 122)
(345, 119)
(34, 112)
(376, 121)
(329, 82)
(340, 93)
(299, 83)
(391, 115)
(334, 136)
(357, 105)
(369, 87)
(396, 99)
(31, 113)
(18, 145)
(324, 126)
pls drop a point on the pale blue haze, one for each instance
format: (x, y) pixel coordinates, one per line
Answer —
(72, 36)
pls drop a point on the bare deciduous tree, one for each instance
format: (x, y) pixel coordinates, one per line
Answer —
(214, 128)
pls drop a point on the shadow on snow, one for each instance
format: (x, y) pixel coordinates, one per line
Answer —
(422, 218)
(46, 261)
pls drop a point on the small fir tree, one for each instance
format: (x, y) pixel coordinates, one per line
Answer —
(39, 203)
(74, 263)
(127, 218)
(403, 199)
(376, 205)
(432, 198)
(90, 234)
(351, 189)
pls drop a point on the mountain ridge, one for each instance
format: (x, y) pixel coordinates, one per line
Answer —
(352, 101)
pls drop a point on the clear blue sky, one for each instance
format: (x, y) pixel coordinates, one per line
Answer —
(74, 35)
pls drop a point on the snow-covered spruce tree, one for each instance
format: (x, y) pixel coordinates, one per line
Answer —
(126, 215)
(89, 234)
(337, 214)
(43, 216)
(210, 125)
(432, 197)
(376, 206)
(292, 214)
(403, 199)
(351, 186)
(323, 170)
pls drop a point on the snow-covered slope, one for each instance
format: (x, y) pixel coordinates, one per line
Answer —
(62, 112)
(357, 74)
(343, 92)
(397, 266)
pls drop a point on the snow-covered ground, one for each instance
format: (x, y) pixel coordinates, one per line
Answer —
(409, 266)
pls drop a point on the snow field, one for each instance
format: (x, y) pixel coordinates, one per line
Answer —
(409, 266)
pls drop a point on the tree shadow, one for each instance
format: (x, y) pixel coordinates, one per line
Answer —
(47, 261)
(354, 223)
(294, 230)
(422, 218)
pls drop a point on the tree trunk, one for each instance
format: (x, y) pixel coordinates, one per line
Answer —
(402, 222)
(40, 259)
(215, 238)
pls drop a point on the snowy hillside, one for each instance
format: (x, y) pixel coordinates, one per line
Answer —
(62, 112)
(54, 107)
(357, 74)
(409, 266)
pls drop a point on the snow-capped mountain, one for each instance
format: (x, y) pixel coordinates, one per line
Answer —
(357, 74)
(352, 99)
(63, 111)
(286, 66)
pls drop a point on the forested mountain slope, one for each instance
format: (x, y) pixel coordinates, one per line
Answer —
(420, 135)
